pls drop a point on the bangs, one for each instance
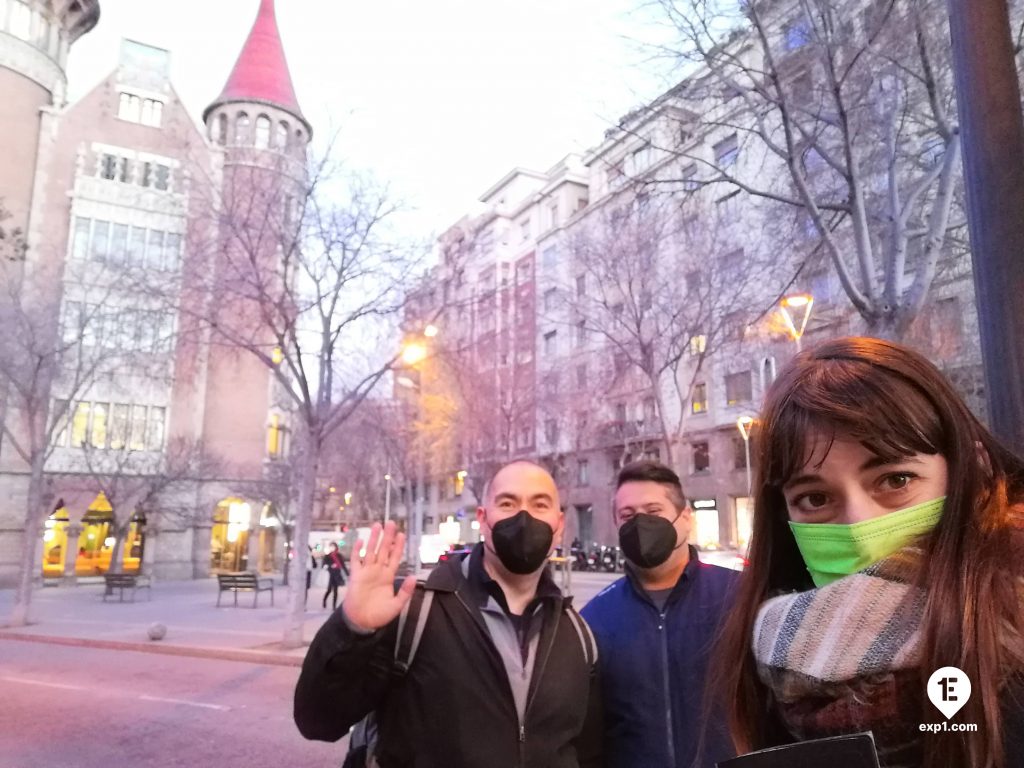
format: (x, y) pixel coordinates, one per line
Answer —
(888, 414)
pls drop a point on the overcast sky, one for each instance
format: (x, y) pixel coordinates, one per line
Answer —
(441, 97)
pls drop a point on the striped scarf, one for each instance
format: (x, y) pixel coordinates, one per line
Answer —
(844, 658)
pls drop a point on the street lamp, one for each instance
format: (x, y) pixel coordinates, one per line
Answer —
(387, 494)
(414, 353)
(796, 311)
(743, 424)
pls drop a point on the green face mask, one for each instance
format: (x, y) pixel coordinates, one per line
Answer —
(832, 550)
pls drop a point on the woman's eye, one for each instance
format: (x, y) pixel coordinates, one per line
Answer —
(897, 481)
(809, 502)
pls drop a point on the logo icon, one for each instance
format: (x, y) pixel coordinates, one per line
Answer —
(949, 689)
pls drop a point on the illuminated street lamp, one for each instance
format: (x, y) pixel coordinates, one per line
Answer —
(430, 331)
(796, 311)
(414, 353)
(743, 424)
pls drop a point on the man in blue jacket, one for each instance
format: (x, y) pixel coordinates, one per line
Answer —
(655, 630)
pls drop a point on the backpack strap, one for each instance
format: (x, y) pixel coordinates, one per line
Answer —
(411, 623)
(586, 636)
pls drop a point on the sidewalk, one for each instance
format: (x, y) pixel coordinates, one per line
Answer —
(195, 626)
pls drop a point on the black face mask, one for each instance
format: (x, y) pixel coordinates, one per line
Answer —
(648, 540)
(522, 542)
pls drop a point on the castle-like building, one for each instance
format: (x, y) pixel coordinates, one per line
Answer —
(157, 438)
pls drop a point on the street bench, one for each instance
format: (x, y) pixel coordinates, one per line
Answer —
(123, 581)
(244, 582)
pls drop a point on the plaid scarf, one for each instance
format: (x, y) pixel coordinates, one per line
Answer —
(844, 658)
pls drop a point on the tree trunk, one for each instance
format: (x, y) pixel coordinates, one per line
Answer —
(289, 540)
(30, 544)
(295, 614)
(116, 560)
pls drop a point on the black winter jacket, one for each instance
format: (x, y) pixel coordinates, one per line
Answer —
(454, 707)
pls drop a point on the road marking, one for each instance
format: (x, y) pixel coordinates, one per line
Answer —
(25, 681)
(66, 687)
(186, 703)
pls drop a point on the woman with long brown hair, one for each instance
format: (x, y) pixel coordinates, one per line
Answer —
(888, 542)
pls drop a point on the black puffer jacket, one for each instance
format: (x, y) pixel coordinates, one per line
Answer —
(454, 707)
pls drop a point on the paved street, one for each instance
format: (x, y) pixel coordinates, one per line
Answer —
(96, 708)
(83, 687)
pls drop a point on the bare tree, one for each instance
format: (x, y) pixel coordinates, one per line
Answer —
(308, 277)
(49, 356)
(138, 483)
(842, 109)
(659, 290)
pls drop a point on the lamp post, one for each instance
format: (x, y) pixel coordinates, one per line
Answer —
(743, 424)
(387, 494)
(414, 353)
(796, 311)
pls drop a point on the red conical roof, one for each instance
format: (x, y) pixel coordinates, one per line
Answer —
(261, 73)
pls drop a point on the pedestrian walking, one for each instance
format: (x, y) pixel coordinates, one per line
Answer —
(887, 545)
(336, 574)
(504, 674)
(655, 629)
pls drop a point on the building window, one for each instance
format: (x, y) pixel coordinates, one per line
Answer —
(137, 437)
(582, 473)
(119, 244)
(643, 158)
(20, 23)
(581, 285)
(727, 151)
(274, 436)
(555, 219)
(739, 453)
(701, 457)
(129, 108)
(59, 418)
(137, 246)
(242, 128)
(282, 136)
(797, 34)
(524, 230)
(262, 132)
(119, 426)
(738, 388)
(581, 333)
(650, 411)
(80, 245)
(108, 167)
(693, 281)
(79, 425)
(549, 259)
(699, 401)
(125, 168)
(155, 429)
(551, 431)
(98, 431)
(550, 342)
(689, 177)
(161, 177)
(620, 363)
(222, 129)
(100, 240)
(172, 251)
(698, 344)
(152, 113)
(581, 376)
(155, 248)
(550, 299)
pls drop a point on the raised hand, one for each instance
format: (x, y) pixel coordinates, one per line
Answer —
(371, 602)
